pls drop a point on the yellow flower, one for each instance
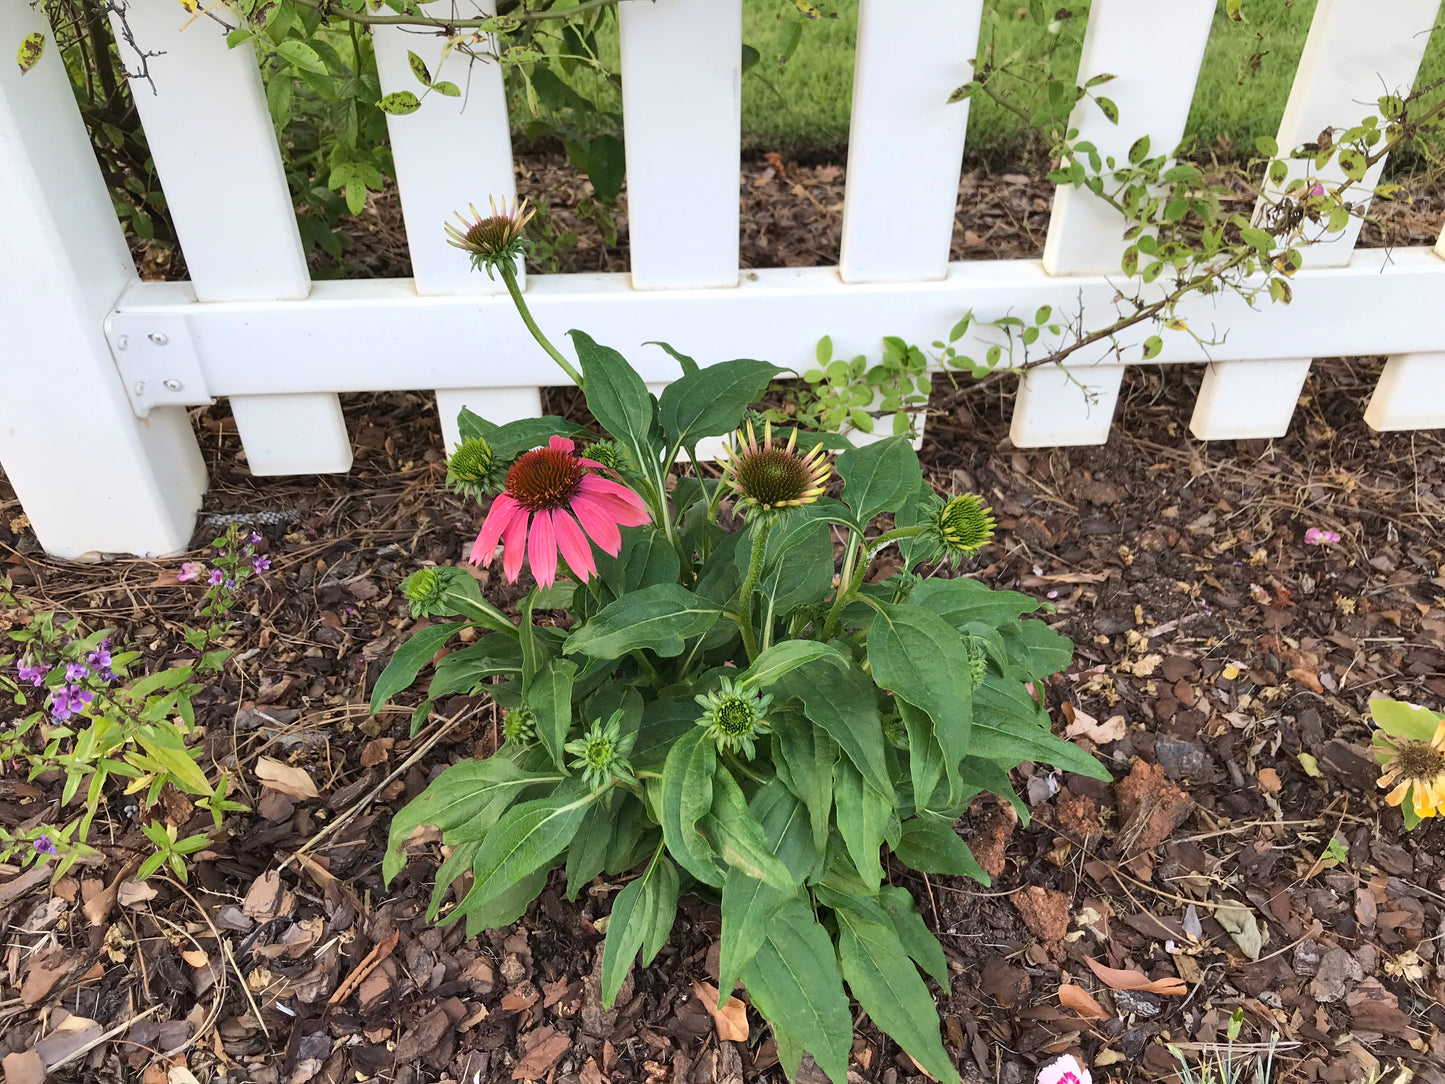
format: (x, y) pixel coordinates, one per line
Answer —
(1414, 768)
(768, 476)
(492, 240)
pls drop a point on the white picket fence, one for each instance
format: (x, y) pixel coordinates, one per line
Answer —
(99, 368)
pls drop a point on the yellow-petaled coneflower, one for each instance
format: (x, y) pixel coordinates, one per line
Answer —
(493, 239)
(767, 476)
(1414, 769)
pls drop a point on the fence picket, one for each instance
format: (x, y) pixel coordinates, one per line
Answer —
(682, 115)
(1350, 58)
(1153, 50)
(245, 246)
(905, 141)
(451, 154)
(91, 476)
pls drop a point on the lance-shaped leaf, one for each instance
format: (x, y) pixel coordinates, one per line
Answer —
(659, 618)
(641, 919)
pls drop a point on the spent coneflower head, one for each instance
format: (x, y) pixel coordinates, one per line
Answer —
(1413, 768)
(767, 476)
(492, 240)
(555, 502)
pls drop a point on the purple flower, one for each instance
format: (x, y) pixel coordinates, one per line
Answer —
(68, 700)
(33, 674)
(189, 571)
(215, 578)
(261, 564)
(230, 585)
(77, 671)
(99, 659)
(45, 845)
(1315, 536)
(255, 538)
(1317, 190)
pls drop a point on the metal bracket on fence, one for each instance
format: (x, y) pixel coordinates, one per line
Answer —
(157, 361)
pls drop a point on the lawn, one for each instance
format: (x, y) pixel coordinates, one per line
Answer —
(802, 105)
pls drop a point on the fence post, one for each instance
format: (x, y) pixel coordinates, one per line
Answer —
(1153, 50)
(1350, 58)
(209, 130)
(90, 475)
(451, 153)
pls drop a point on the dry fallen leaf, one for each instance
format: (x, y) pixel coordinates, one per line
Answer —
(131, 892)
(1084, 725)
(1120, 979)
(285, 778)
(195, 957)
(1077, 998)
(731, 1020)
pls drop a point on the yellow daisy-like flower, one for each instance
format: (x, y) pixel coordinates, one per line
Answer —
(768, 476)
(492, 239)
(1416, 769)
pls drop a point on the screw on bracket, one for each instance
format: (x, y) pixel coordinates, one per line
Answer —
(172, 385)
(158, 338)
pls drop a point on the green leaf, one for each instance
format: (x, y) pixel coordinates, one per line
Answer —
(738, 838)
(1267, 146)
(32, 48)
(919, 657)
(524, 840)
(862, 815)
(925, 756)
(748, 904)
(913, 935)
(642, 917)
(804, 758)
(660, 617)
(880, 477)
(711, 402)
(418, 68)
(618, 398)
(447, 87)
(606, 166)
(929, 844)
(1152, 346)
(785, 657)
(646, 558)
(1010, 727)
(888, 988)
(306, 58)
(793, 982)
(961, 601)
(408, 661)
(587, 855)
(687, 778)
(1039, 649)
(1400, 720)
(1109, 109)
(506, 908)
(470, 795)
(687, 364)
(167, 748)
(663, 721)
(843, 701)
(550, 696)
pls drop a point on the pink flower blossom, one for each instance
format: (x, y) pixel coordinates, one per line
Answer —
(551, 498)
(1317, 536)
(1065, 1070)
(190, 570)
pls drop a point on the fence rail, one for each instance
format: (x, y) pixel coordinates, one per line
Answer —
(99, 367)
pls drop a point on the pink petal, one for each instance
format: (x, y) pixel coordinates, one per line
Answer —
(631, 511)
(542, 549)
(499, 516)
(599, 522)
(573, 544)
(561, 444)
(514, 546)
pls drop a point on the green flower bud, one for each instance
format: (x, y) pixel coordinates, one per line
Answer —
(964, 525)
(520, 725)
(601, 753)
(423, 590)
(734, 717)
(473, 469)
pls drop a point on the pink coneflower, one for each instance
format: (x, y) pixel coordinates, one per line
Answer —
(533, 516)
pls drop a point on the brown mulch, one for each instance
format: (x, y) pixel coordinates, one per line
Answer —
(1221, 672)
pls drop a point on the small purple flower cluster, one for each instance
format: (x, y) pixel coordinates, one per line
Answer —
(46, 845)
(191, 571)
(70, 698)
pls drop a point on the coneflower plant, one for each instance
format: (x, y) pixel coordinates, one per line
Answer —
(709, 685)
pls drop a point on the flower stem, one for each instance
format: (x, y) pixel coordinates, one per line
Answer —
(844, 592)
(509, 276)
(750, 584)
(731, 759)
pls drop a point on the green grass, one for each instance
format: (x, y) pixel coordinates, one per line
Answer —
(802, 106)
